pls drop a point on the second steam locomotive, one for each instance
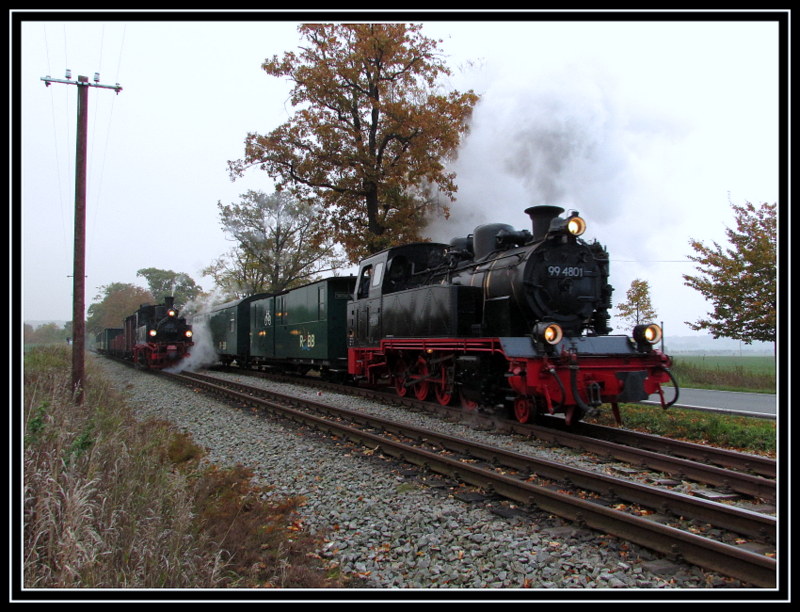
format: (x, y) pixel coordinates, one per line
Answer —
(502, 319)
(154, 336)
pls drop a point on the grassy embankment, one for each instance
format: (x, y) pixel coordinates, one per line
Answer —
(111, 502)
(729, 373)
(753, 373)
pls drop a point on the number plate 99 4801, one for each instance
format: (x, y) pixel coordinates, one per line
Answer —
(565, 271)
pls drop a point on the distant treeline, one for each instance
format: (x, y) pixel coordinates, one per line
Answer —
(48, 333)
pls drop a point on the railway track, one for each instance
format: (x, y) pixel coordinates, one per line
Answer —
(709, 534)
(727, 471)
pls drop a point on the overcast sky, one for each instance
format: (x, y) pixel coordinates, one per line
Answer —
(650, 129)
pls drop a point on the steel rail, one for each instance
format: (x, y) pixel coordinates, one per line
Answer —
(747, 484)
(763, 466)
(687, 460)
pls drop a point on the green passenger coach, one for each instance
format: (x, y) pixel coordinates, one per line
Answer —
(303, 328)
(230, 330)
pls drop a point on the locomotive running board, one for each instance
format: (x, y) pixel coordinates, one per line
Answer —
(525, 347)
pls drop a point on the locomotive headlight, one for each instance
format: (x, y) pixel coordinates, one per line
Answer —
(576, 226)
(650, 333)
(188, 333)
(152, 333)
(551, 333)
(171, 312)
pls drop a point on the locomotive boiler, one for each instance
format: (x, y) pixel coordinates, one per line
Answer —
(540, 277)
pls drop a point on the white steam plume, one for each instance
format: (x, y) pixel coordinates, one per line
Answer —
(566, 139)
(203, 353)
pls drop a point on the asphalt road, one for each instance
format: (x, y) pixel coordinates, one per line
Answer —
(752, 404)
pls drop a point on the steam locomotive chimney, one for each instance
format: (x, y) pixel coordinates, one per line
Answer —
(169, 301)
(541, 217)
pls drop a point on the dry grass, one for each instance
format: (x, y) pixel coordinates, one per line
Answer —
(110, 502)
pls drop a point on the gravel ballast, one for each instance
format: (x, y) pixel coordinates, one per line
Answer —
(394, 526)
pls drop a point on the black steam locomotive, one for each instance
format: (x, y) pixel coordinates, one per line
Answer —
(502, 318)
(155, 336)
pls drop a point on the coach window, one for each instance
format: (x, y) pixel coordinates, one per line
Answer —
(278, 310)
(321, 302)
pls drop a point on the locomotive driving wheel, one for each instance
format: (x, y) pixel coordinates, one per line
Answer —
(400, 376)
(523, 409)
(468, 404)
(421, 373)
(143, 356)
(445, 385)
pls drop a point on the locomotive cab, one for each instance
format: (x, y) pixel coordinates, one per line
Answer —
(387, 290)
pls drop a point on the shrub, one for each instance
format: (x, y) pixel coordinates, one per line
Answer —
(112, 502)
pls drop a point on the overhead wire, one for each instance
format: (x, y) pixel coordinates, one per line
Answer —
(101, 174)
(59, 181)
(647, 261)
(97, 161)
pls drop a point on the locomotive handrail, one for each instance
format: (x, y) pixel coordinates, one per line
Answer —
(661, 392)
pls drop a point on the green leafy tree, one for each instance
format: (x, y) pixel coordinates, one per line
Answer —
(115, 302)
(638, 307)
(740, 281)
(370, 135)
(237, 274)
(281, 243)
(165, 283)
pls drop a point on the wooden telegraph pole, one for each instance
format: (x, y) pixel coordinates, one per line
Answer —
(79, 262)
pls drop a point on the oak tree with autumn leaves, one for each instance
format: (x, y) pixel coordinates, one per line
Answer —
(371, 132)
(740, 281)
